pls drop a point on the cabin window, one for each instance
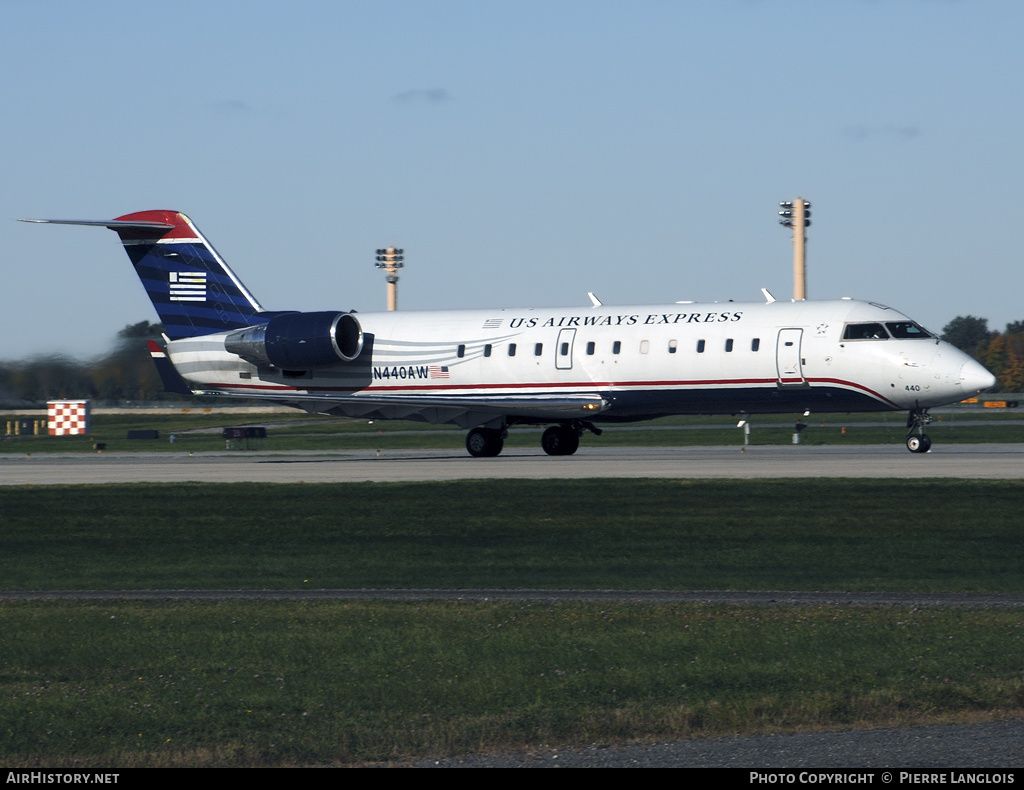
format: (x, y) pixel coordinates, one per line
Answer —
(872, 331)
(645, 346)
(616, 347)
(672, 346)
(907, 330)
(700, 346)
(511, 349)
(564, 350)
(728, 344)
(538, 349)
(487, 350)
(461, 352)
(591, 348)
(755, 344)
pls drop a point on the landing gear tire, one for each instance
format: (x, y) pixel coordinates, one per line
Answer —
(560, 440)
(919, 443)
(917, 439)
(485, 442)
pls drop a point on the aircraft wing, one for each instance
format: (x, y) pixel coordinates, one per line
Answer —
(458, 409)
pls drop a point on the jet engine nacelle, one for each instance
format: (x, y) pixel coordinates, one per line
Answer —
(296, 341)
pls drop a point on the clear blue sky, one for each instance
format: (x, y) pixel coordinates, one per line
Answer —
(523, 153)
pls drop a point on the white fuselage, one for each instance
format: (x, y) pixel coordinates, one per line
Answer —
(637, 362)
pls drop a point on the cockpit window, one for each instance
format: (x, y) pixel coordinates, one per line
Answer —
(871, 331)
(908, 330)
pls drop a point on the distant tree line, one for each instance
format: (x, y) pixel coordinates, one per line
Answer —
(1000, 352)
(125, 373)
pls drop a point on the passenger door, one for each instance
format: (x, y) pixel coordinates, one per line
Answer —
(787, 358)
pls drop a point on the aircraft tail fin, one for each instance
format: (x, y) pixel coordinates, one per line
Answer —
(193, 290)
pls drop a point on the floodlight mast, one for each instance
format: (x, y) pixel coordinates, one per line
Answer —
(391, 260)
(797, 215)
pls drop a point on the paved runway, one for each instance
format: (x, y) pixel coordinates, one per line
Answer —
(976, 461)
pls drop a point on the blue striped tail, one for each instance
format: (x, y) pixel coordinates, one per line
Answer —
(193, 290)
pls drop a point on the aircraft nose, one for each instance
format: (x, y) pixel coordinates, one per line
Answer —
(974, 378)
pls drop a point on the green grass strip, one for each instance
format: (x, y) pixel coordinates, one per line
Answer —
(200, 431)
(272, 683)
(924, 536)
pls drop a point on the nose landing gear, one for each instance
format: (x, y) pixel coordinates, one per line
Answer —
(917, 440)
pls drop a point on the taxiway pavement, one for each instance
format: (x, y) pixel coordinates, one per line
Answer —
(974, 461)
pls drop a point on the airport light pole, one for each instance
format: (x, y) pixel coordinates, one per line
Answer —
(390, 260)
(797, 215)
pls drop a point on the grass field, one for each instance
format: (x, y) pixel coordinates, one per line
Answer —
(331, 683)
(300, 683)
(200, 431)
(945, 536)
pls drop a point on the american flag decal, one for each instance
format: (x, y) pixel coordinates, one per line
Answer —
(492, 323)
(438, 371)
(187, 286)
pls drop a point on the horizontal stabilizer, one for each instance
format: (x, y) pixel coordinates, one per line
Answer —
(113, 224)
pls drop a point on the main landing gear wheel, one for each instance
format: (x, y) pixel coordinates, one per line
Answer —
(917, 440)
(485, 442)
(560, 440)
